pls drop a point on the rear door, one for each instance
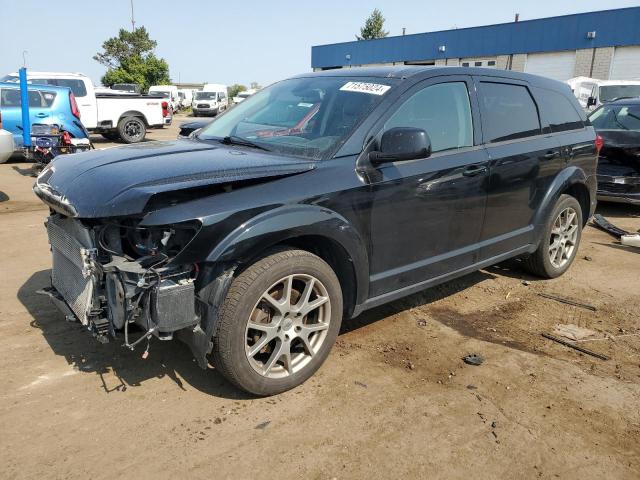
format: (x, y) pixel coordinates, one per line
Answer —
(427, 213)
(522, 159)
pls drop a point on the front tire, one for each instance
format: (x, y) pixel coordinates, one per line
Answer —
(278, 322)
(560, 240)
(132, 129)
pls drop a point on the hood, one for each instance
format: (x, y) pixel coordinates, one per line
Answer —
(120, 181)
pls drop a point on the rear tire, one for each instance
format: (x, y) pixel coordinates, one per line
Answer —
(560, 240)
(132, 129)
(269, 346)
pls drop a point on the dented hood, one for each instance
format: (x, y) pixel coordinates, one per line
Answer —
(120, 181)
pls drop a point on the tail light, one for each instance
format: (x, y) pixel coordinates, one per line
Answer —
(599, 143)
(165, 109)
(74, 106)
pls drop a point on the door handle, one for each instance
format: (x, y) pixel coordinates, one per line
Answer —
(551, 155)
(474, 170)
(42, 115)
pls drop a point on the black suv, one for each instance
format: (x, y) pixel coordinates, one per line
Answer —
(313, 200)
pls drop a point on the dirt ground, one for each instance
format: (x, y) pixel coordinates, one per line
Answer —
(394, 399)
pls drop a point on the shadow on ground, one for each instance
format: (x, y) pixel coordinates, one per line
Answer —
(172, 359)
(82, 351)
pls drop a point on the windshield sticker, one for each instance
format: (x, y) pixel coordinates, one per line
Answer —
(305, 105)
(362, 87)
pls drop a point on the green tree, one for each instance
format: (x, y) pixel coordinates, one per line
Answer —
(373, 27)
(129, 58)
(235, 89)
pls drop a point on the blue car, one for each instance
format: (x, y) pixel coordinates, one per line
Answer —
(47, 105)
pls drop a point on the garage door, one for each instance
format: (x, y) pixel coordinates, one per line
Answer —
(626, 64)
(556, 65)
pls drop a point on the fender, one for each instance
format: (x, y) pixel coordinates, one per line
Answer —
(564, 180)
(288, 222)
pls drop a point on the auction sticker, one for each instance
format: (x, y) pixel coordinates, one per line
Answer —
(363, 87)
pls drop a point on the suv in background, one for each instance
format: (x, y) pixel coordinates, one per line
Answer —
(314, 200)
(609, 90)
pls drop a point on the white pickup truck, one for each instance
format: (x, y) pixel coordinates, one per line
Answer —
(125, 117)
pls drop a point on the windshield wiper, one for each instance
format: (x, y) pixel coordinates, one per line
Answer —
(235, 140)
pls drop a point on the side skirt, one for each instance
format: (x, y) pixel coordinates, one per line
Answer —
(411, 289)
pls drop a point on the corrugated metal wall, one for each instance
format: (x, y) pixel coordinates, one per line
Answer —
(613, 28)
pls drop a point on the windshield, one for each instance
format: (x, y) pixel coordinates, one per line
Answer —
(205, 95)
(616, 117)
(244, 95)
(162, 94)
(611, 92)
(305, 117)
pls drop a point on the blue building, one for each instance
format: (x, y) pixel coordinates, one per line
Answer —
(604, 45)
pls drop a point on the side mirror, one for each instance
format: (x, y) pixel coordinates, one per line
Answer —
(402, 143)
(591, 101)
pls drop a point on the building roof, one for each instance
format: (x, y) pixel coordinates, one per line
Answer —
(617, 27)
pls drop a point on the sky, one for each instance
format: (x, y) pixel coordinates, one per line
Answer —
(235, 42)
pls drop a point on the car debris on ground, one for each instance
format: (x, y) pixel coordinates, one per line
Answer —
(626, 238)
(568, 301)
(574, 346)
(474, 359)
(573, 332)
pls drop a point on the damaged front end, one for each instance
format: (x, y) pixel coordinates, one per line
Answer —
(114, 274)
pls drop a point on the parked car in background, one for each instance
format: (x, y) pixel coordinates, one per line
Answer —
(181, 100)
(188, 96)
(618, 125)
(582, 88)
(243, 95)
(169, 92)
(253, 247)
(48, 104)
(114, 116)
(608, 90)
(211, 100)
(187, 128)
(6, 143)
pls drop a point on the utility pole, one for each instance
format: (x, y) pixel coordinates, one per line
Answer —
(133, 22)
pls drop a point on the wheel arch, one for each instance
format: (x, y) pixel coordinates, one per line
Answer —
(571, 181)
(134, 113)
(318, 230)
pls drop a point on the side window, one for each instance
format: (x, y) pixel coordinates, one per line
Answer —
(77, 86)
(443, 111)
(465, 64)
(558, 111)
(10, 97)
(508, 112)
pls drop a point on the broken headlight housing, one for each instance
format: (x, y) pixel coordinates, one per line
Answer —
(126, 238)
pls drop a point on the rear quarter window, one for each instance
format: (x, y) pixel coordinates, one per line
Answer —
(508, 112)
(10, 97)
(557, 111)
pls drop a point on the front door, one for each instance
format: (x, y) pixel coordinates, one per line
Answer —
(427, 214)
